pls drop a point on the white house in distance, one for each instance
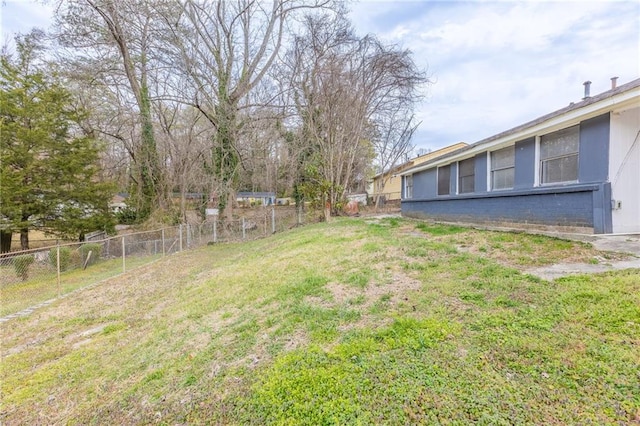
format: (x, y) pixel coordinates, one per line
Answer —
(575, 169)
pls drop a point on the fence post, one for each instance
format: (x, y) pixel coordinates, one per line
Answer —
(58, 266)
(180, 235)
(243, 231)
(163, 254)
(215, 229)
(124, 263)
(273, 220)
(188, 236)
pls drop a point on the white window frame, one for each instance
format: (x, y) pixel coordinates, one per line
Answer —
(536, 165)
(408, 186)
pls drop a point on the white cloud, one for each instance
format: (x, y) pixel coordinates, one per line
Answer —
(518, 26)
(499, 64)
(19, 16)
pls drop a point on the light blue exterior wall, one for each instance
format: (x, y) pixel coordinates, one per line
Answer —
(425, 185)
(583, 204)
(593, 156)
(481, 173)
(525, 163)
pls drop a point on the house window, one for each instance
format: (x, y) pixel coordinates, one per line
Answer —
(466, 175)
(444, 178)
(408, 186)
(559, 156)
(503, 168)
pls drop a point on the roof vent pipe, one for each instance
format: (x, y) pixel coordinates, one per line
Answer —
(614, 82)
(587, 89)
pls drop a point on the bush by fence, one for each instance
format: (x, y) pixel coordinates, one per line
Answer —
(21, 265)
(60, 257)
(33, 276)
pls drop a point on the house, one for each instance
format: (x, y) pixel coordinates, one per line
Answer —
(388, 184)
(575, 169)
(118, 202)
(360, 198)
(256, 198)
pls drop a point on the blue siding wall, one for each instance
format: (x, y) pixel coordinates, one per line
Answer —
(525, 162)
(425, 184)
(593, 157)
(578, 206)
(481, 173)
(602, 220)
(585, 204)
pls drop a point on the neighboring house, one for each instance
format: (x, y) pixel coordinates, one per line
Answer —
(360, 198)
(578, 167)
(118, 203)
(261, 198)
(388, 184)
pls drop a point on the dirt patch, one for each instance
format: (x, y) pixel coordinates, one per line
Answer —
(321, 302)
(395, 289)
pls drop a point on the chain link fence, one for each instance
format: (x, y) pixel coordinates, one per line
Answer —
(31, 277)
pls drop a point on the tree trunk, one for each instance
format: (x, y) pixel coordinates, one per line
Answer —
(229, 207)
(300, 211)
(5, 241)
(378, 202)
(24, 238)
(183, 206)
(327, 209)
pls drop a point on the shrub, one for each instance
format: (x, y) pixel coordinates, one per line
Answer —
(65, 258)
(127, 216)
(21, 265)
(96, 252)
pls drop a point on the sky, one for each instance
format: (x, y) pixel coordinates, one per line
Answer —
(493, 64)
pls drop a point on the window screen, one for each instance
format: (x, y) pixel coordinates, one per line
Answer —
(503, 168)
(444, 176)
(466, 175)
(559, 156)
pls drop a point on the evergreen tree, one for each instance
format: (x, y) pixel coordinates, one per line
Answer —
(48, 168)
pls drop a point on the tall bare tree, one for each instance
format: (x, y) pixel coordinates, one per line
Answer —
(226, 48)
(186, 148)
(348, 92)
(392, 143)
(117, 38)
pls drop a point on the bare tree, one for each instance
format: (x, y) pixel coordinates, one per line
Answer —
(226, 48)
(350, 94)
(186, 145)
(117, 37)
(392, 144)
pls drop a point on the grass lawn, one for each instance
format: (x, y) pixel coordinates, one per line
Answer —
(42, 284)
(360, 321)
